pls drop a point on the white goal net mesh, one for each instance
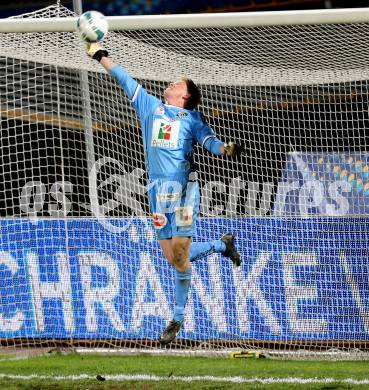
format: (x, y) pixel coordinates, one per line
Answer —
(79, 263)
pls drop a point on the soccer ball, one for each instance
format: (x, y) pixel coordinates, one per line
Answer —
(92, 26)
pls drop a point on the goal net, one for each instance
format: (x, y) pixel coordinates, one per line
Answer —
(79, 262)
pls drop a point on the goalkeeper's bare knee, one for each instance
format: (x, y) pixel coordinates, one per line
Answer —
(181, 259)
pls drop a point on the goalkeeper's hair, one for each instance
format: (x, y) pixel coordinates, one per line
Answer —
(194, 92)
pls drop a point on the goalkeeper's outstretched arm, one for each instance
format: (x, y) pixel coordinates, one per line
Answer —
(141, 100)
(230, 149)
(96, 52)
(207, 139)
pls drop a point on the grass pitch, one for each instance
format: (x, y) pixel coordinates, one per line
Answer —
(74, 371)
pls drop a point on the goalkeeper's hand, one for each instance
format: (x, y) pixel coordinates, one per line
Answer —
(95, 51)
(232, 149)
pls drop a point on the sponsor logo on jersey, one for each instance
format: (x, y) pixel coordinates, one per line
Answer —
(184, 216)
(159, 220)
(168, 197)
(182, 114)
(165, 131)
(165, 135)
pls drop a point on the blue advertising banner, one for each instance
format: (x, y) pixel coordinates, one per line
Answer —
(330, 184)
(301, 279)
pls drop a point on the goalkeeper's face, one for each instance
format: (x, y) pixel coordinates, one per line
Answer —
(176, 93)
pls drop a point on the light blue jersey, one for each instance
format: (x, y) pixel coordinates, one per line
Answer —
(169, 134)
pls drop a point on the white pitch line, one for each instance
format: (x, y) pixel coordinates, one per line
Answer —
(205, 378)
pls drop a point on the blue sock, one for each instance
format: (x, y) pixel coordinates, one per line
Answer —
(182, 285)
(202, 249)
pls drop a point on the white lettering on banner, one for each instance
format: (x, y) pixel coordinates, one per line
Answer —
(335, 194)
(311, 195)
(235, 187)
(149, 233)
(32, 198)
(363, 312)
(248, 288)
(213, 302)
(15, 322)
(280, 200)
(295, 293)
(206, 207)
(42, 291)
(264, 196)
(63, 204)
(100, 295)
(129, 185)
(133, 234)
(158, 305)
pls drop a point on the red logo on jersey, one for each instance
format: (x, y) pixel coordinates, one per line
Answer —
(159, 221)
(184, 216)
(164, 131)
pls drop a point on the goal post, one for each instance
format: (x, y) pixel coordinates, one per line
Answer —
(79, 262)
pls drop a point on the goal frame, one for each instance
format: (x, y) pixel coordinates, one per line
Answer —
(183, 21)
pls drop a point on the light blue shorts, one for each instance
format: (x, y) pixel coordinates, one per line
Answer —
(174, 206)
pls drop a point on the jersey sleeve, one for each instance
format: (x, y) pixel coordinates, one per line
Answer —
(206, 137)
(142, 102)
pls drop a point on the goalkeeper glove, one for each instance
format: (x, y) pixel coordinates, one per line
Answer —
(95, 51)
(232, 149)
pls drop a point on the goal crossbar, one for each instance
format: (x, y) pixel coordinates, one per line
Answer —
(233, 19)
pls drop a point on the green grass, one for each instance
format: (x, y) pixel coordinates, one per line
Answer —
(74, 364)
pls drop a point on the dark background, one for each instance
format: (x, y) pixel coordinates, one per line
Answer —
(147, 7)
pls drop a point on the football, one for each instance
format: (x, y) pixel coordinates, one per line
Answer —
(92, 26)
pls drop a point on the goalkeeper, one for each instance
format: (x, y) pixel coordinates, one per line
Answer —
(169, 131)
